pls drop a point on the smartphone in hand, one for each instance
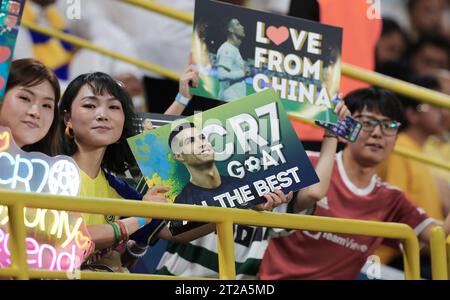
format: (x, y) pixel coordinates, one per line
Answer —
(348, 128)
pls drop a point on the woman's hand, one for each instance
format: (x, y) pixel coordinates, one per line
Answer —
(154, 194)
(188, 79)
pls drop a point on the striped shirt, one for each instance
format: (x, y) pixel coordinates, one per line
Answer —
(199, 258)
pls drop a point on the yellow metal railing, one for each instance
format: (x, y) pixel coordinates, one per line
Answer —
(163, 10)
(79, 42)
(438, 254)
(396, 85)
(448, 255)
(224, 218)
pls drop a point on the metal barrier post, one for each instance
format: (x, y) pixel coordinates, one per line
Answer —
(411, 258)
(225, 247)
(438, 255)
(17, 242)
(448, 255)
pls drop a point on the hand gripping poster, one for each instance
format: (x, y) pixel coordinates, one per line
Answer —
(55, 240)
(239, 51)
(229, 156)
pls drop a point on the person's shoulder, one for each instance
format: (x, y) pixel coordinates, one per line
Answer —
(226, 49)
(391, 191)
(186, 193)
(234, 181)
(187, 187)
(122, 187)
(223, 47)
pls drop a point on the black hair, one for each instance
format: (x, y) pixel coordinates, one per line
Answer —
(390, 26)
(228, 24)
(118, 156)
(177, 130)
(399, 69)
(375, 99)
(435, 40)
(412, 4)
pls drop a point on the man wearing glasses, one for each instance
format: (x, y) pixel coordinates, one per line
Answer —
(414, 178)
(355, 192)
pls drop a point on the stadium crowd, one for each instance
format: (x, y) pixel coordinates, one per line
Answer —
(57, 92)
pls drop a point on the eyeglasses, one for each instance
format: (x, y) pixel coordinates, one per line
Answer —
(388, 127)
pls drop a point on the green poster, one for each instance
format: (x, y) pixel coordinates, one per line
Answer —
(229, 156)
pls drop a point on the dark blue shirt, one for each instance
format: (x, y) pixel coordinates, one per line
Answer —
(195, 195)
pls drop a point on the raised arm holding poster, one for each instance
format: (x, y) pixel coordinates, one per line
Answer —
(239, 51)
(229, 156)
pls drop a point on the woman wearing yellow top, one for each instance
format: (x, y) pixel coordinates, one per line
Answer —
(97, 115)
(97, 118)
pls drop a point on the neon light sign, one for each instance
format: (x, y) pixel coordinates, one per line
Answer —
(56, 223)
(55, 239)
(36, 172)
(41, 255)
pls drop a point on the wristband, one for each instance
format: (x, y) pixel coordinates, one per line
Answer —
(329, 135)
(116, 233)
(124, 236)
(182, 100)
(142, 222)
(135, 255)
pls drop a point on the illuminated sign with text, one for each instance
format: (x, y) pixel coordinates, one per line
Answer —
(56, 240)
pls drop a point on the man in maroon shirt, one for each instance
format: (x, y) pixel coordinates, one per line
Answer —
(355, 192)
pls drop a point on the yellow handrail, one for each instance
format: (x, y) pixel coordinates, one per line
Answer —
(421, 157)
(396, 85)
(438, 254)
(448, 255)
(224, 218)
(74, 40)
(163, 10)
